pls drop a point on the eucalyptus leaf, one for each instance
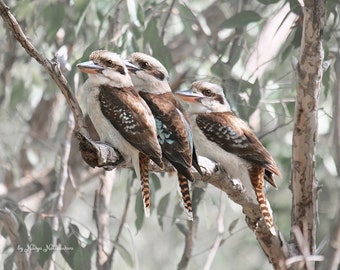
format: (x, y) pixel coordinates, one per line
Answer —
(268, 2)
(159, 51)
(125, 254)
(182, 228)
(232, 225)
(69, 242)
(162, 207)
(139, 210)
(41, 234)
(54, 17)
(188, 18)
(81, 7)
(82, 259)
(241, 19)
(9, 262)
(178, 211)
(155, 182)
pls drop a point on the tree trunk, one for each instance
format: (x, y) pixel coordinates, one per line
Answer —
(304, 182)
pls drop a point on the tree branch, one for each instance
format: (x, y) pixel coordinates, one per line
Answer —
(219, 238)
(274, 246)
(123, 218)
(167, 18)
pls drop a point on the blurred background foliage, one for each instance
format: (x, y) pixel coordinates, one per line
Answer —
(246, 46)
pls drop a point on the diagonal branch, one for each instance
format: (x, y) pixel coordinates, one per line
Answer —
(274, 246)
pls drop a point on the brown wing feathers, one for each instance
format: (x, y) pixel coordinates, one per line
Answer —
(234, 136)
(125, 118)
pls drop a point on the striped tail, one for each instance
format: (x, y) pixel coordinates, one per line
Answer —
(257, 178)
(184, 187)
(144, 179)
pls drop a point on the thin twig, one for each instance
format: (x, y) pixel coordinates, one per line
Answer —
(306, 260)
(63, 176)
(219, 238)
(189, 240)
(167, 18)
(102, 217)
(198, 191)
(275, 129)
(124, 216)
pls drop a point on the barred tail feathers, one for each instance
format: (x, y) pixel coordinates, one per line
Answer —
(144, 179)
(257, 179)
(184, 188)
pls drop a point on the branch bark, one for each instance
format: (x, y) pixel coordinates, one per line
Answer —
(309, 75)
(274, 246)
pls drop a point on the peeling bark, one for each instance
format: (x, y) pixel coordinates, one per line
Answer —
(309, 76)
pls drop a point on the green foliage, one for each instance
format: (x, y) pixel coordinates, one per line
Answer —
(139, 210)
(154, 40)
(241, 19)
(41, 233)
(162, 208)
(125, 254)
(54, 17)
(76, 250)
(268, 2)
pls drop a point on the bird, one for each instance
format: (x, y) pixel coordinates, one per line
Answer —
(228, 140)
(151, 80)
(120, 116)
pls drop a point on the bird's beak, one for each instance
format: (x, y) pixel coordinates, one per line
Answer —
(90, 67)
(131, 67)
(188, 95)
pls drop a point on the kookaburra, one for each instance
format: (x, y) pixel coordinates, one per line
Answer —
(120, 116)
(151, 80)
(224, 138)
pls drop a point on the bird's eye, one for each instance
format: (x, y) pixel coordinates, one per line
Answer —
(207, 92)
(109, 63)
(144, 65)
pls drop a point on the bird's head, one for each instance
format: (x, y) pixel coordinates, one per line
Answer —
(149, 74)
(106, 67)
(203, 97)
